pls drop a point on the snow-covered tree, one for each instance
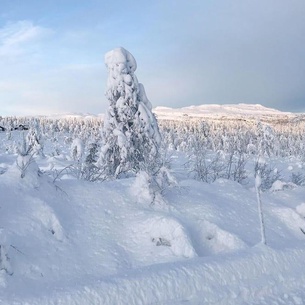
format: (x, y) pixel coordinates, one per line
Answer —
(26, 163)
(34, 139)
(131, 137)
(91, 171)
(77, 151)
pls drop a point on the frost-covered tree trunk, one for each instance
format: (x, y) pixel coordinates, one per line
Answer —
(131, 137)
(258, 182)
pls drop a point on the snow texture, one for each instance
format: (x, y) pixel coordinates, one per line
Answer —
(89, 243)
(69, 241)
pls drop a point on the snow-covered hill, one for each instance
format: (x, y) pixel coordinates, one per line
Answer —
(208, 111)
(242, 111)
(72, 115)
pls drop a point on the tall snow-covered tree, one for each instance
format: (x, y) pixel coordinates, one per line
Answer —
(131, 137)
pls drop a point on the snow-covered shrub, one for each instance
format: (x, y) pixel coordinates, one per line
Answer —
(205, 166)
(164, 179)
(141, 188)
(90, 170)
(209, 166)
(235, 167)
(131, 137)
(25, 161)
(27, 165)
(298, 178)
(34, 139)
(279, 185)
(268, 174)
(149, 189)
(251, 149)
(77, 151)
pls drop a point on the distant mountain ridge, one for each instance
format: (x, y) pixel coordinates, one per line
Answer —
(206, 111)
(247, 111)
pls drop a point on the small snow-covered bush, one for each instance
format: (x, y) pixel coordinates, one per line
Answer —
(279, 185)
(150, 188)
(141, 188)
(298, 178)
(77, 149)
(91, 170)
(235, 167)
(34, 139)
(268, 174)
(205, 166)
(25, 161)
(27, 165)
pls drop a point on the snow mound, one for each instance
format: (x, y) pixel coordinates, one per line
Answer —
(32, 233)
(279, 185)
(292, 220)
(173, 234)
(217, 241)
(45, 216)
(161, 239)
(301, 209)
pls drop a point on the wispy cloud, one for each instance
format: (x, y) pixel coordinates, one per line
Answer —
(16, 37)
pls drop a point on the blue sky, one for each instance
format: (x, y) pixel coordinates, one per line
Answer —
(188, 52)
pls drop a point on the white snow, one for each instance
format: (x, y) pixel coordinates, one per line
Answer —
(76, 242)
(233, 111)
(301, 209)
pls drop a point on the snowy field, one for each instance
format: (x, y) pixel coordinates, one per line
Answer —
(67, 240)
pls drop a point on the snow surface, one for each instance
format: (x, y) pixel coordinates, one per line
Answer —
(76, 242)
(96, 243)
